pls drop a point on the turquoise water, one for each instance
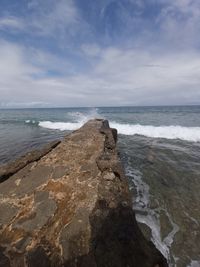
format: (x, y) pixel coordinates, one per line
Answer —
(160, 149)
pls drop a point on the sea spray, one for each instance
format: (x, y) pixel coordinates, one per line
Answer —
(77, 120)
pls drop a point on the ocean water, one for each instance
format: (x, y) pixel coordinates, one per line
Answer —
(160, 150)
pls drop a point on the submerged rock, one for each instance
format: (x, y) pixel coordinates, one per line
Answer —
(71, 206)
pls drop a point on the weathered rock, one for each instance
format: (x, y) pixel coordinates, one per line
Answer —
(71, 206)
(9, 169)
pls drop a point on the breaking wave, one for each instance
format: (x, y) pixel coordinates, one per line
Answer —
(168, 132)
(62, 126)
(77, 120)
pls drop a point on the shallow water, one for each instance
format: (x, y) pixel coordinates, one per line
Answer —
(166, 182)
(160, 149)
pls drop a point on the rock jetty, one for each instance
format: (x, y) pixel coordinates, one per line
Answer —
(69, 205)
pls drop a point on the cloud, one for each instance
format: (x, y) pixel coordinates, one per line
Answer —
(55, 17)
(118, 77)
(138, 77)
(61, 62)
(14, 61)
(58, 20)
(91, 50)
(11, 23)
(179, 22)
(68, 23)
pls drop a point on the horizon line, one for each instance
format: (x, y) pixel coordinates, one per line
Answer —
(123, 106)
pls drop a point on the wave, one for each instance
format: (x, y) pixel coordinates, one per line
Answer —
(168, 132)
(31, 122)
(62, 126)
(78, 119)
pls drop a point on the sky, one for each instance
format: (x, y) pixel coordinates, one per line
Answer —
(72, 53)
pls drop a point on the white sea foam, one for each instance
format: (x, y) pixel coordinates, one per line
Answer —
(78, 118)
(169, 132)
(62, 126)
(194, 264)
(149, 216)
(30, 121)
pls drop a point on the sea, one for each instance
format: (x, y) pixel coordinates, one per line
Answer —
(160, 150)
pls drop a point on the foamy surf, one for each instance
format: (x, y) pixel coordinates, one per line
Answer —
(194, 264)
(30, 121)
(168, 132)
(62, 126)
(151, 217)
(78, 119)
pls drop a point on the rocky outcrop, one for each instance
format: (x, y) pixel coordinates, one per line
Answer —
(72, 207)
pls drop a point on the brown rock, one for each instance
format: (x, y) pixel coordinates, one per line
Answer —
(71, 206)
(9, 169)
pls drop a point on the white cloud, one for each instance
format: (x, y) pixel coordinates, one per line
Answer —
(60, 20)
(179, 21)
(91, 50)
(11, 23)
(156, 72)
(131, 77)
(14, 62)
(58, 17)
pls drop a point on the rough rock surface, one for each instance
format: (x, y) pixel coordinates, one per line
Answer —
(71, 207)
(9, 169)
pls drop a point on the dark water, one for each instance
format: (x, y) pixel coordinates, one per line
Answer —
(160, 148)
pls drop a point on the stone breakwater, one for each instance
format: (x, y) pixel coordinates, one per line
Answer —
(69, 205)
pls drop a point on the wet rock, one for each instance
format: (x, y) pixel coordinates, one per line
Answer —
(146, 230)
(71, 206)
